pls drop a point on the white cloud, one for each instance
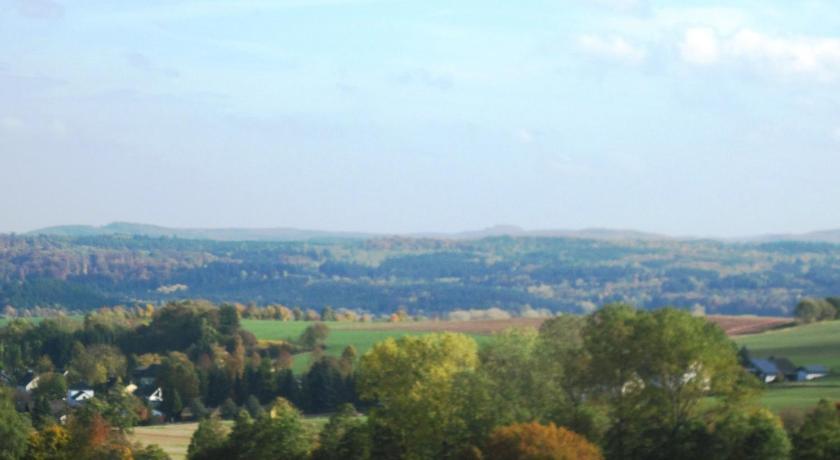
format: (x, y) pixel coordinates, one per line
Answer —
(611, 47)
(700, 46)
(819, 57)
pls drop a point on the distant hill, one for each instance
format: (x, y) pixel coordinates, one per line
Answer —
(216, 234)
(424, 275)
(295, 234)
(821, 236)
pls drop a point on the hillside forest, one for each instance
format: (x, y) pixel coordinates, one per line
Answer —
(422, 276)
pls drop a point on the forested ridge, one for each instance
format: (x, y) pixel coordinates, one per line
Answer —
(424, 276)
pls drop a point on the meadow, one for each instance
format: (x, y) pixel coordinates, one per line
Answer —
(362, 336)
(817, 343)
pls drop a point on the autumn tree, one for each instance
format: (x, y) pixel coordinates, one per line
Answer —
(533, 441)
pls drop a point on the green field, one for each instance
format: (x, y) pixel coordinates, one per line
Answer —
(341, 335)
(817, 343)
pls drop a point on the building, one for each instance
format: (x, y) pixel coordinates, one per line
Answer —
(811, 372)
(765, 369)
(78, 394)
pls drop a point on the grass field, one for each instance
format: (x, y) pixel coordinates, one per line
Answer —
(817, 343)
(361, 335)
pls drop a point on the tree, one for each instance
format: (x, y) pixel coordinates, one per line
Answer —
(14, 430)
(753, 435)
(323, 387)
(277, 434)
(314, 336)
(208, 441)
(344, 437)
(253, 406)
(228, 409)
(177, 375)
(172, 404)
(653, 369)
(328, 314)
(819, 436)
(412, 380)
(49, 443)
(198, 410)
(150, 452)
(533, 441)
(811, 310)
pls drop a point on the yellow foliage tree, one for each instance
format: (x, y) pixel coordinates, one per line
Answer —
(412, 379)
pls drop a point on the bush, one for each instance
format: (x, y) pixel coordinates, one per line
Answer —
(533, 441)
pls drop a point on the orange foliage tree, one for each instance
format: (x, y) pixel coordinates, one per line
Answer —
(533, 441)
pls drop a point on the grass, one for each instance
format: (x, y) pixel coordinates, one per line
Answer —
(174, 438)
(817, 343)
(341, 335)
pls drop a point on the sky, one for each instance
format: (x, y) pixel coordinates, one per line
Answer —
(689, 117)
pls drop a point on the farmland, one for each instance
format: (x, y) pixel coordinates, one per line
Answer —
(817, 343)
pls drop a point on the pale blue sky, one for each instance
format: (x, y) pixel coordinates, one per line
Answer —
(683, 117)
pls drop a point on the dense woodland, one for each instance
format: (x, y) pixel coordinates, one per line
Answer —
(423, 276)
(620, 383)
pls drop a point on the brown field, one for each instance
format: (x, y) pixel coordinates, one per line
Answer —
(173, 438)
(733, 325)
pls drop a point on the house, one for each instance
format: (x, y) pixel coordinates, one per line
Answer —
(786, 367)
(811, 372)
(151, 394)
(78, 394)
(765, 369)
(28, 382)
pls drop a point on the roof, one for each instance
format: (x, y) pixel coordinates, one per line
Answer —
(27, 378)
(815, 369)
(765, 366)
(784, 365)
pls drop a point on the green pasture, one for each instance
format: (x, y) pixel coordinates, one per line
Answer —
(817, 343)
(341, 335)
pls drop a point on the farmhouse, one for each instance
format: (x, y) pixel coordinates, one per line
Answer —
(811, 372)
(765, 369)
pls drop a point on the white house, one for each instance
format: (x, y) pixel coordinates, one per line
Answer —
(78, 395)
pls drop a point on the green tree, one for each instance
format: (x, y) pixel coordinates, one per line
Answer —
(14, 430)
(654, 369)
(819, 436)
(750, 435)
(413, 381)
(811, 310)
(314, 336)
(278, 434)
(344, 437)
(208, 440)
